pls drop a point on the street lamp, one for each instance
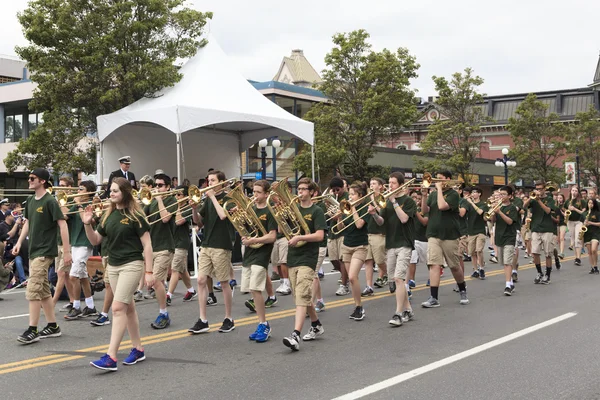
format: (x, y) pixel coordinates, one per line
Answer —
(263, 143)
(505, 162)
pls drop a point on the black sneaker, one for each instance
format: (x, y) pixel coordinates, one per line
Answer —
(545, 280)
(29, 336)
(227, 326)
(557, 263)
(481, 274)
(577, 261)
(358, 314)
(538, 278)
(66, 308)
(396, 320)
(50, 332)
(212, 300)
(596, 271)
(199, 327)
(475, 274)
(89, 312)
(250, 305)
(592, 271)
(515, 277)
(392, 285)
(508, 291)
(73, 314)
(292, 341)
(168, 301)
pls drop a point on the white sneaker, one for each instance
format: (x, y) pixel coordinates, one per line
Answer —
(313, 333)
(342, 291)
(284, 289)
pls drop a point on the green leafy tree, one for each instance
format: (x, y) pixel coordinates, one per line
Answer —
(93, 57)
(584, 138)
(369, 102)
(455, 140)
(538, 139)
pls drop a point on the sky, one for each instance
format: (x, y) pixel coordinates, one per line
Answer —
(515, 46)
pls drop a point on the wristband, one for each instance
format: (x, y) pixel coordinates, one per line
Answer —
(87, 224)
(149, 272)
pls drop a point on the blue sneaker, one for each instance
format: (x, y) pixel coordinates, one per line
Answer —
(134, 357)
(427, 283)
(232, 283)
(100, 321)
(105, 363)
(411, 284)
(161, 322)
(217, 287)
(263, 332)
(256, 332)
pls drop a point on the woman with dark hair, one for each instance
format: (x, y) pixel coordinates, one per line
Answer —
(562, 224)
(591, 220)
(576, 205)
(129, 249)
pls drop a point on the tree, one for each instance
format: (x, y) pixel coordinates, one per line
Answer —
(93, 57)
(584, 138)
(538, 139)
(369, 101)
(455, 140)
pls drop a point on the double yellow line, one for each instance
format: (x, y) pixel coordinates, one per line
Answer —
(165, 337)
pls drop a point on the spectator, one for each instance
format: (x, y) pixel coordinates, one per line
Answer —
(10, 229)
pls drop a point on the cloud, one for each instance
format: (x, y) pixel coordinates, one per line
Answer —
(516, 46)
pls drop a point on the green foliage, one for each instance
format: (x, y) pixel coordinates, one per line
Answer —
(538, 139)
(93, 57)
(369, 102)
(455, 141)
(584, 138)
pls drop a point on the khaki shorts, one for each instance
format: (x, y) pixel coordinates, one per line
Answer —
(79, 266)
(105, 266)
(180, 261)
(254, 277)
(334, 247)
(463, 244)
(526, 234)
(397, 262)
(161, 261)
(543, 241)
(574, 229)
(562, 230)
(38, 286)
(280, 252)
(322, 254)
(506, 255)
(125, 280)
(439, 250)
(476, 243)
(215, 263)
(354, 253)
(376, 251)
(59, 261)
(301, 279)
(591, 241)
(419, 254)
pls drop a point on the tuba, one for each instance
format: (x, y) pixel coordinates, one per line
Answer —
(286, 213)
(242, 216)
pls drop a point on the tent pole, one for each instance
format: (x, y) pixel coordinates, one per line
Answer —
(178, 136)
(312, 159)
(100, 164)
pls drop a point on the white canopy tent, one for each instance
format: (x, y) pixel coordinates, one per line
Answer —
(204, 121)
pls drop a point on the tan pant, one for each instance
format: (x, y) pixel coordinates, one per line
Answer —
(161, 260)
(334, 247)
(543, 241)
(254, 277)
(180, 261)
(397, 261)
(506, 255)
(574, 229)
(376, 250)
(301, 279)
(280, 252)
(439, 250)
(476, 243)
(215, 263)
(38, 285)
(59, 262)
(125, 279)
(322, 254)
(105, 266)
(352, 253)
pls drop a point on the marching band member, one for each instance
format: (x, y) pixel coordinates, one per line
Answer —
(279, 259)
(302, 262)
(62, 270)
(317, 298)
(591, 220)
(44, 220)
(399, 241)
(147, 182)
(215, 257)
(577, 206)
(419, 254)
(476, 225)
(124, 230)
(505, 235)
(517, 201)
(335, 241)
(442, 238)
(376, 253)
(463, 242)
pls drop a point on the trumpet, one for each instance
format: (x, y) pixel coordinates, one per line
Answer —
(243, 217)
(286, 212)
(429, 180)
(490, 213)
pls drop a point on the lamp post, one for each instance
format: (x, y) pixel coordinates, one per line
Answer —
(577, 167)
(505, 162)
(263, 143)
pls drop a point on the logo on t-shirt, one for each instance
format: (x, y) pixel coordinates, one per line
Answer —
(40, 209)
(125, 221)
(263, 217)
(308, 217)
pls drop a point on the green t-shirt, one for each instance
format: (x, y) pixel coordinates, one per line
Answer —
(308, 255)
(420, 229)
(475, 222)
(373, 228)
(161, 233)
(398, 234)
(262, 255)
(218, 233)
(506, 235)
(559, 213)
(43, 215)
(324, 241)
(181, 234)
(577, 203)
(77, 235)
(331, 235)
(352, 235)
(518, 203)
(540, 221)
(443, 224)
(593, 232)
(122, 237)
(462, 221)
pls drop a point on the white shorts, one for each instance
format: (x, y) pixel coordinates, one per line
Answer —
(80, 255)
(419, 254)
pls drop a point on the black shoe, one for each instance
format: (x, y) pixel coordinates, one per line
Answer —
(481, 274)
(358, 314)
(515, 277)
(29, 336)
(596, 271)
(199, 327)
(50, 332)
(74, 313)
(577, 261)
(475, 274)
(557, 263)
(89, 312)
(538, 278)
(212, 300)
(392, 285)
(508, 291)
(227, 326)
(592, 271)
(168, 301)
(545, 280)
(250, 305)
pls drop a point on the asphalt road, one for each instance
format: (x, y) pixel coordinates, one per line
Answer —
(555, 362)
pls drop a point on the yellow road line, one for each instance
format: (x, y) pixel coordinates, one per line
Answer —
(165, 337)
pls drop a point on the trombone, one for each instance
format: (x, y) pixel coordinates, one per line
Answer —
(193, 194)
(346, 209)
(429, 180)
(63, 198)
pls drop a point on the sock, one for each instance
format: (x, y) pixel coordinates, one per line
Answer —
(77, 304)
(297, 333)
(321, 300)
(316, 323)
(191, 290)
(434, 291)
(539, 268)
(33, 328)
(163, 311)
(514, 271)
(104, 314)
(52, 324)
(272, 297)
(169, 294)
(321, 270)
(286, 281)
(89, 302)
(548, 271)
(204, 320)
(407, 287)
(509, 283)
(462, 286)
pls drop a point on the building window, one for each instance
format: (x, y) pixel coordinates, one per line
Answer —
(402, 147)
(13, 128)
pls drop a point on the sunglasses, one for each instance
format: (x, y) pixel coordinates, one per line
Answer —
(32, 178)
(160, 185)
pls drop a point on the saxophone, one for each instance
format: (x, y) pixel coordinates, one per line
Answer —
(584, 228)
